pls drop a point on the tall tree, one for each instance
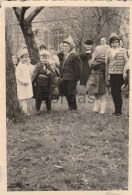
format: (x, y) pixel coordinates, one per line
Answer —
(26, 27)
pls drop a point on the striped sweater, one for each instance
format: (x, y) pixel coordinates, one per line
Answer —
(115, 65)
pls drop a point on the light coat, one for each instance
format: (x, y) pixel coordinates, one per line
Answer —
(23, 74)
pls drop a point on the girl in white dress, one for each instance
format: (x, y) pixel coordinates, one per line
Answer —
(23, 79)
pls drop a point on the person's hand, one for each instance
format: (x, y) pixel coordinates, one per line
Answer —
(107, 82)
(48, 72)
(124, 75)
(89, 51)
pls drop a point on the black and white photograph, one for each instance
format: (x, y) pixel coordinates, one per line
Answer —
(67, 97)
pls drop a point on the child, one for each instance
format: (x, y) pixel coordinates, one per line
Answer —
(70, 74)
(96, 83)
(43, 79)
(23, 79)
(116, 61)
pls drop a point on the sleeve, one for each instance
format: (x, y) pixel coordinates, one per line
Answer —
(77, 65)
(57, 61)
(106, 65)
(126, 67)
(19, 75)
(36, 69)
(93, 58)
(31, 69)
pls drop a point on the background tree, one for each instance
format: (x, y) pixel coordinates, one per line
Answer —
(85, 22)
(26, 27)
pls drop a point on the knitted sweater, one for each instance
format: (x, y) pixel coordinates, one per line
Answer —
(116, 64)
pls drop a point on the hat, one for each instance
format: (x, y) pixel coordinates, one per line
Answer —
(70, 41)
(89, 42)
(113, 37)
(23, 51)
(61, 45)
(44, 52)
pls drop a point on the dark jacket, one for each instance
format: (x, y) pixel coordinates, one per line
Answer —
(71, 67)
(85, 68)
(43, 80)
(61, 58)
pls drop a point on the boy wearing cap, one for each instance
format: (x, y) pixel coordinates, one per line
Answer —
(85, 57)
(23, 79)
(70, 74)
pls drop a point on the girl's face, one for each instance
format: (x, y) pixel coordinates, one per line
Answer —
(115, 44)
(44, 58)
(88, 47)
(25, 59)
(103, 41)
(67, 48)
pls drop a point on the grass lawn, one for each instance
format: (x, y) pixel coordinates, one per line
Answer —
(68, 151)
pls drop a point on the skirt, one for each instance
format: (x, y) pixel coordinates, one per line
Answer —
(96, 84)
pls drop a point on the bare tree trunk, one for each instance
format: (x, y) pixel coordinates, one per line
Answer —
(26, 27)
(30, 42)
(12, 105)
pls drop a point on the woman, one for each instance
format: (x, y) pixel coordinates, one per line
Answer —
(116, 62)
(61, 56)
(85, 57)
(70, 74)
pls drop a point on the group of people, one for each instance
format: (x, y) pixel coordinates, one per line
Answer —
(58, 75)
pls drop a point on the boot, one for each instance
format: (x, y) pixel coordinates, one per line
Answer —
(96, 105)
(102, 107)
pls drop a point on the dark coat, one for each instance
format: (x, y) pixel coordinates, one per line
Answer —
(45, 82)
(71, 68)
(61, 59)
(85, 68)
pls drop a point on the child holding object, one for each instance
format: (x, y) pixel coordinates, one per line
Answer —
(23, 79)
(43, 79)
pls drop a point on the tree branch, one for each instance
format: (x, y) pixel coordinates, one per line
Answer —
(33, 14)
(24, 9)
(18, 12)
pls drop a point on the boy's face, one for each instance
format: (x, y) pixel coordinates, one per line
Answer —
(88, 47)
(62, 48)
(25, 59)
(103, 41)
(44, 58)
(67, 48)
